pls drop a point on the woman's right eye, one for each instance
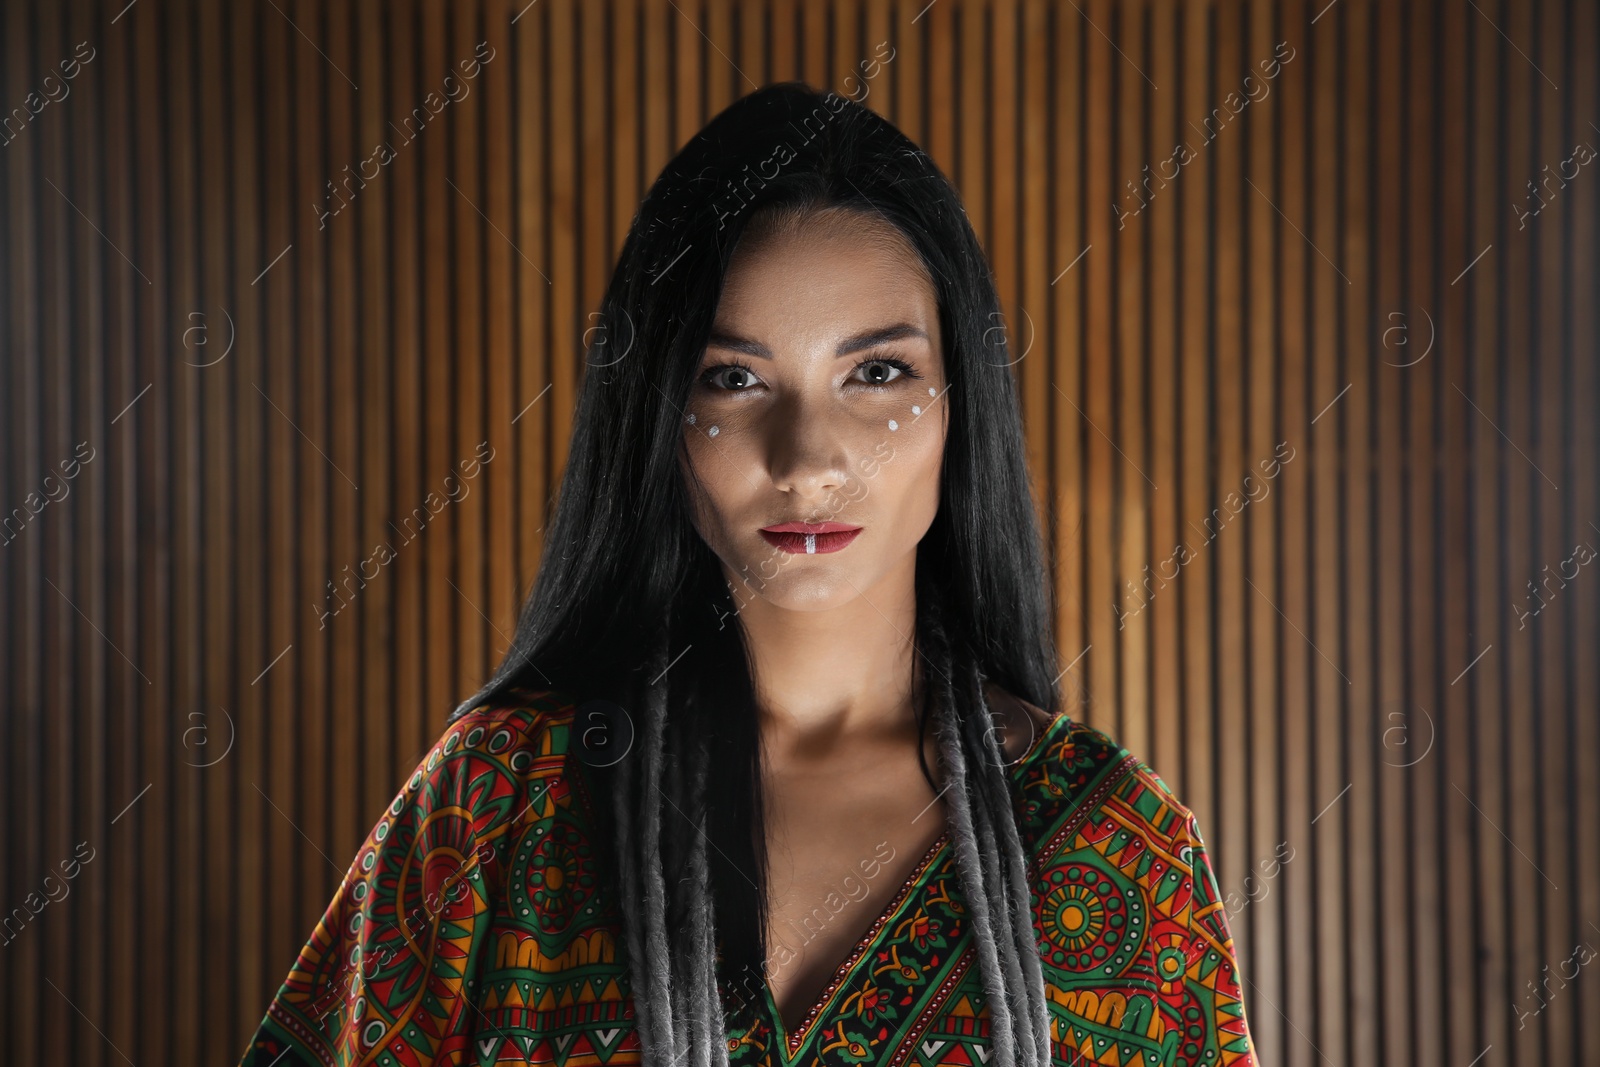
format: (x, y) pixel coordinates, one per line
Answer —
(730, 377)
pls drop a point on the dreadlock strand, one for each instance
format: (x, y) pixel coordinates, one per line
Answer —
(631, 894)
(992, 819)
(1037, 1017)
(657, 959)
(1010, 895)
(707, 1005)
(966, 831)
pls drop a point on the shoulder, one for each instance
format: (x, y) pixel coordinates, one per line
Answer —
(452, 886)
(492, 768)
(512, 749)
(1084, 789)
(1121, 867)
(1127, 903)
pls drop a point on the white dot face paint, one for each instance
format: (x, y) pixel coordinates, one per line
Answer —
(691, 418)
(916, 409)
(932, 391)
(713, 432)
(893, 425)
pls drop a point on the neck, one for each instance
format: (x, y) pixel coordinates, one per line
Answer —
(837, 676)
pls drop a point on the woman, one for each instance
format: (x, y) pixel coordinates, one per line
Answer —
(774, 771)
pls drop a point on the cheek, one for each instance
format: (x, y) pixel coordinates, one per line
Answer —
(716, 473)
(901, 470)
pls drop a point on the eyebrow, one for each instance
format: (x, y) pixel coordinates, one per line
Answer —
(870, 339)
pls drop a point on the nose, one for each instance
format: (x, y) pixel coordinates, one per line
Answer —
(806, 453)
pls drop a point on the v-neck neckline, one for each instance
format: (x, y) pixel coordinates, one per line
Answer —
(790, 1044)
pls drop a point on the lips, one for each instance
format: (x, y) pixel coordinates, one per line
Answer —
(810, 538)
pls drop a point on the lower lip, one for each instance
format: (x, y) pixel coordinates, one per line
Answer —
(820, 543)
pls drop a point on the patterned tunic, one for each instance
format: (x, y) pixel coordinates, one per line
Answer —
(472, 928)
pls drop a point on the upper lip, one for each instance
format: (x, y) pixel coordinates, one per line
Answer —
(811, 527)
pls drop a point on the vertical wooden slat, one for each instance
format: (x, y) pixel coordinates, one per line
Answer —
(878, 39)
(241, 805)
(14, 623)
(565, 151)
(1149, 235)
(1194, 492)
(1124, 422)
(1300, 483)
(1452, 710)
(1029, 37)
(1419, 656)
(272, 741)
(306, 812)
(1583, 444)
(492, 482)
(464, 122)
(1378, 653)
(184, 807)
(447, 613)
(1093, 404)
(65, 597)
(531, 446)
(414, 720)
(122, 693)
(1268, 405)
(1484, 673)
(150, 422)
(1343, 662)
(1550, 639)
(1219, 799)
(1069, 250)
(1521, 483)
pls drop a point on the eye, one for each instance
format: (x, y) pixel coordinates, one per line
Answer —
(879, 371)
(735, 377)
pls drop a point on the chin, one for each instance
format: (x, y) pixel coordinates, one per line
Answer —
(828, 587)
(818, 594)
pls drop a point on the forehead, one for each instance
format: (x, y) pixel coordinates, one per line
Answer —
(830, 274)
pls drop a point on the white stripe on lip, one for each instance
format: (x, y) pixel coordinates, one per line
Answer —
(811, 544)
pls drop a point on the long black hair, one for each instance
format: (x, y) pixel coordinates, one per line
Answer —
(631, 606)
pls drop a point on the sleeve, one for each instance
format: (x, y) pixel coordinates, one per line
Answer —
(390, 966)
(1211, 993)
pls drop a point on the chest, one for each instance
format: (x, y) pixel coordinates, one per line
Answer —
(842, 839)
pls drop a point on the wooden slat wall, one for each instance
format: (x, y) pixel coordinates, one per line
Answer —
(1344, 671)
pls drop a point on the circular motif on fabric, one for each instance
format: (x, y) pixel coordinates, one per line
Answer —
(1171, 962)
(500, 741)
(553, 875)
(1090, 919)
(474, 736)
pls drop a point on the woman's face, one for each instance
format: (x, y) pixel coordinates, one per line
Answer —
(819, 400)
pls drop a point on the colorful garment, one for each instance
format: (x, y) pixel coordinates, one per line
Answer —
(472, 928)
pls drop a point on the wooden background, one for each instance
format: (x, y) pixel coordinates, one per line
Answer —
(1352, 672)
